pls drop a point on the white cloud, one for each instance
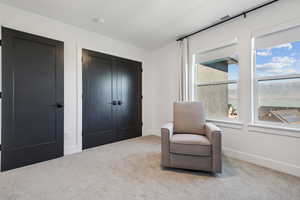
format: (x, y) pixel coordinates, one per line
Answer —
(278, 65)
(271, 65)
(264, 53)
(287, 45)
(284, 59)
(280, 71)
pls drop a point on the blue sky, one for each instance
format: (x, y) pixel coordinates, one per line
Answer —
(233, 71)
(279, 60)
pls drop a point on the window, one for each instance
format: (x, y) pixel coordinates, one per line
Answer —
(217, 73)
(277, 78)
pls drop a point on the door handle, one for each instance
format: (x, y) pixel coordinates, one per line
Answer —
(114, 102)
(119, 102)
(59, 105)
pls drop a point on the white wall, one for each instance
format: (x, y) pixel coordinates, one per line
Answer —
(277, 149)
(165, 83)
(74, 39)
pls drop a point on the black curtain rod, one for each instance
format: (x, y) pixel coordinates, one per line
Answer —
(244, 13)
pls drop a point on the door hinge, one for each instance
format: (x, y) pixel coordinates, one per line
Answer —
(142, 97)
(142, 123)
(0, 42)
(0, 95)
(142, 70)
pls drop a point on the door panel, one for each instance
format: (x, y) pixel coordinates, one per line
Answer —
(33, 102)
(32, 87)
(98, 123)
(129, 95)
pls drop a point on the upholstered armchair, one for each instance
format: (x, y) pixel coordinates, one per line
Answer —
(190, 142)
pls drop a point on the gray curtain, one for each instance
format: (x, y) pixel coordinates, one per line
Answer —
(184, 75)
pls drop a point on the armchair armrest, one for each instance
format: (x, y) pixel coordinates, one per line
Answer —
(212, 131)
(166, 133)
(214, 135)
(167, 129)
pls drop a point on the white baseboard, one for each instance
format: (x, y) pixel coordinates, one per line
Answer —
(68, 150)
(263, 161)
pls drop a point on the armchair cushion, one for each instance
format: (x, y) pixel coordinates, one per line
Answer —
(189, 117)
(190, 139)
(190, 144)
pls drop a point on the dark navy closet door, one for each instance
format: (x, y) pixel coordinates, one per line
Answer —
(32, 106)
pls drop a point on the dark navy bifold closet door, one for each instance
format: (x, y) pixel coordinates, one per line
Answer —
(33, 99)
(112, 101)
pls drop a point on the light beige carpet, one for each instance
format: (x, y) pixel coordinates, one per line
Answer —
(131, 170)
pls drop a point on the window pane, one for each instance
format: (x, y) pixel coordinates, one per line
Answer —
(282, 59)
(217, 77)
(279, 101)
(220, 100)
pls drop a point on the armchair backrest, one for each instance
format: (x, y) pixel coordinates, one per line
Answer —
(189, 117)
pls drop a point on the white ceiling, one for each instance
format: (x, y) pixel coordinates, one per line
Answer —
(144, 23)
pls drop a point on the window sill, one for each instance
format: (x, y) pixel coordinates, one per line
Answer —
(274, 130)
(234, 124)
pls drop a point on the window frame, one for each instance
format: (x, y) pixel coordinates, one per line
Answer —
(256, 79)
